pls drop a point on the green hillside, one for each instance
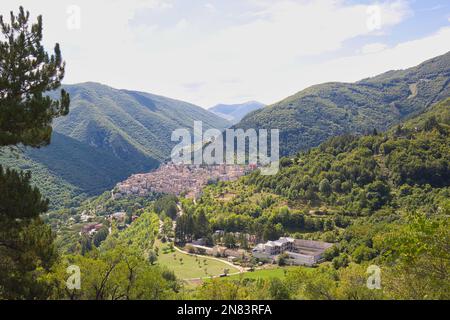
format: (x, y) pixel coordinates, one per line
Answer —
(126, 122)
(362, 174)
(347, 182)
(108, 135)
(382, 199)
(315, 114)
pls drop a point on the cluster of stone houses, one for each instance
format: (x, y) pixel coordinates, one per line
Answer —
(177, 179)
(300, 252)
(119, 217)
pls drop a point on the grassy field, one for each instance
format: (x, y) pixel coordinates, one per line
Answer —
(266, 273)
(190, 267)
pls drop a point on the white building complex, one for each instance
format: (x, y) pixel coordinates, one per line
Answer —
(301, 252)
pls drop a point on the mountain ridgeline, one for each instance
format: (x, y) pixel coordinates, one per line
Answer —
(111, 134)
(317, 113)
(362, 174)
(382, 199)
(235, 112)
(108, 135)
(346, 180)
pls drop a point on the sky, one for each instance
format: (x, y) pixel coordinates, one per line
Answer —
(231, 51)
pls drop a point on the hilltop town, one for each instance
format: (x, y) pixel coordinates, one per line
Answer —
(179, 179)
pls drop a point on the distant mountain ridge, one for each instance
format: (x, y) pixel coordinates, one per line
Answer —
(317, 113)
(108, 135)
(235, 112)
(144, 120)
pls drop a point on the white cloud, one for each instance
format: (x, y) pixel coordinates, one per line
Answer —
(182, 24)
(401, 56)
(210, 7)
(373, 48)
(260, 59)
(262, 50)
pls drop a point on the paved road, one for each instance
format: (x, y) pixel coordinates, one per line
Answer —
(241, 269)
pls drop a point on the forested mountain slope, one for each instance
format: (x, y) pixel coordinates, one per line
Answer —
(317, 113)
(360, 174)
(382, 199)
(126, 122)
(108, 135)
(347, 180)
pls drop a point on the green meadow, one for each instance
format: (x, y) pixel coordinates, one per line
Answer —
(188, 266)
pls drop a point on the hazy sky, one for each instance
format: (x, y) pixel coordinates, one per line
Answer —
(230, 51)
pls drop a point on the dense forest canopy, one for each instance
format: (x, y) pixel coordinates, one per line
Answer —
(109, 135)
(315, 114)
(381, 198)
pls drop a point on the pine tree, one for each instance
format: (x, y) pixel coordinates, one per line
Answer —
(27, 74)
(26, 243)
(202, 228)
(325, 187)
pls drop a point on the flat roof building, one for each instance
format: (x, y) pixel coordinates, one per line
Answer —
(300, 252)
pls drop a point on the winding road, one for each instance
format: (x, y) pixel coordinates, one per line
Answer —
(241, 269)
